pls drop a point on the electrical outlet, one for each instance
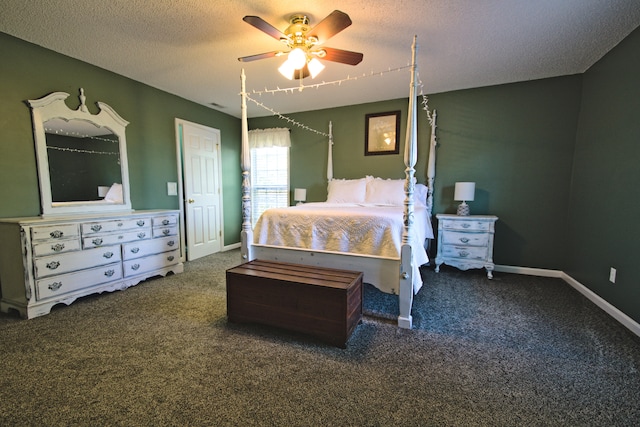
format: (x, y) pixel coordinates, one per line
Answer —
(612, 275)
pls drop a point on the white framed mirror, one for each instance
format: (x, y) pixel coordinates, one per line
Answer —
(81, 157)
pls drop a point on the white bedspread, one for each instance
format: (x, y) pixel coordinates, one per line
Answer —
(341, 227)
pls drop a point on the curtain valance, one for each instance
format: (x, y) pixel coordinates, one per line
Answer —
(266, 138)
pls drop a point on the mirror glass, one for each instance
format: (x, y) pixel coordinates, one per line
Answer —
(82, 157)
(83, 160)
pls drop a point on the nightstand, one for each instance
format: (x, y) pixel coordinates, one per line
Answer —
(466, 241)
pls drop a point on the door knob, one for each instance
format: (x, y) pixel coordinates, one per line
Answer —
(191, 201)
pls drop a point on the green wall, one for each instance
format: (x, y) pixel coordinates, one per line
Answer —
(28, 71)
(605, 193)
(515, 141)
(555, 159)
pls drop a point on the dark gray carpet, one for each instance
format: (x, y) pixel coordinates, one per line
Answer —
(516, 350)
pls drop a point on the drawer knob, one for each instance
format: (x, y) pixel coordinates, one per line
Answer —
(140, 223)
(96, 227)
(135, 250)
(97, 242)
(170, 258)
(120, 224)
(165, 222)
(166, 231)
(135, 266)
(464, 239)
(56, 234)
(466, 225)
(107, 255)
(463, 254)
(141, 235)
(109, 273)
(53, 265)
(55, 286)
(57, 247)
(171, 243)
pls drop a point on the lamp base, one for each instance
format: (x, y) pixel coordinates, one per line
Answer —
(463, 209)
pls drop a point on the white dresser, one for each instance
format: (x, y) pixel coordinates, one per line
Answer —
(47, 261)
(466, 241)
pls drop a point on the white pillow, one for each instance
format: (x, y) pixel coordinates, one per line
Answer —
(114, 195)
(420, 195)
(346, 190)
(385, 191)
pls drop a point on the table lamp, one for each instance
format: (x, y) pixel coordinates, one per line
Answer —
(300, 195)
(465, 192)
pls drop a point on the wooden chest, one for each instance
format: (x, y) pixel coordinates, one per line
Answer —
(323, 302)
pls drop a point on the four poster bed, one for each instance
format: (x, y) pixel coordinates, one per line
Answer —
(375, 226)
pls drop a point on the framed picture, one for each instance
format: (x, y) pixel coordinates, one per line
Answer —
(381, 133)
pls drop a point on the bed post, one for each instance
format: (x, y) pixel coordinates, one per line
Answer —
(246, 235)
(330, 155)
(410, 153)
(431, 168)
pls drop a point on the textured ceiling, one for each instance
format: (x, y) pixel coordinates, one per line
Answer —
(190, 47)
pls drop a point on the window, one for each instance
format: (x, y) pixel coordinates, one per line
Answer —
(269, 170)
(269, 179)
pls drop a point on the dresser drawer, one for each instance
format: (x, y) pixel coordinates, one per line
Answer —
(163, 221)
(65, 283)
(115, 238)
(56, 247)
(149, 247)
(89, 228)
(165, 231)
(152, 262)
(71, 261)
(465, 252)
(461, 238)
(60, 231)
(469, 225)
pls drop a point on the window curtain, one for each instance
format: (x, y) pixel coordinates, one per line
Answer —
(267, 138)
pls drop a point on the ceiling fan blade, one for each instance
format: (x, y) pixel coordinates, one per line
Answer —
(301, 73)
(264, 26)
(259, 56)
(335, 22)
(342, 56)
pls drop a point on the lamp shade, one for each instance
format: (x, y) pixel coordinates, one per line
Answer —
(465, 191)
(315, 67)
(300, 194)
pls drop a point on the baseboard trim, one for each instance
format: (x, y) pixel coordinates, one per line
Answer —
(231, 247)
(528, 271)
(611, 310)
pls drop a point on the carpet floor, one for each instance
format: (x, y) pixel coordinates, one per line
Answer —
(512, 351)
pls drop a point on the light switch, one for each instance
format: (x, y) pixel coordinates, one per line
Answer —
(172, 188)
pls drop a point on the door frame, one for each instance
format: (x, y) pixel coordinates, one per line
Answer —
(182, 201)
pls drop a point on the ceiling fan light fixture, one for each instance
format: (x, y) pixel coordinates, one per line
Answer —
(287, 69)
(297, 58)
(315, 67)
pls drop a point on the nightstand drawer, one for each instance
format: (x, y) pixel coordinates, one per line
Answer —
(462, 238)
(466, 224)
(466, 252)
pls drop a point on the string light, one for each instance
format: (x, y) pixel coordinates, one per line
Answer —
(288, 119)
(76, 150)
(425, 98)
(335, 82)
(78, 135)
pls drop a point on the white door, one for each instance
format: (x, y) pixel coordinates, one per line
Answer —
(202, 197)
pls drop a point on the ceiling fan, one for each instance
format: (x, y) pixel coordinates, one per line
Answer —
(304, 44)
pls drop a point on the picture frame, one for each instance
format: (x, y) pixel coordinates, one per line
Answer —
(381, 133)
